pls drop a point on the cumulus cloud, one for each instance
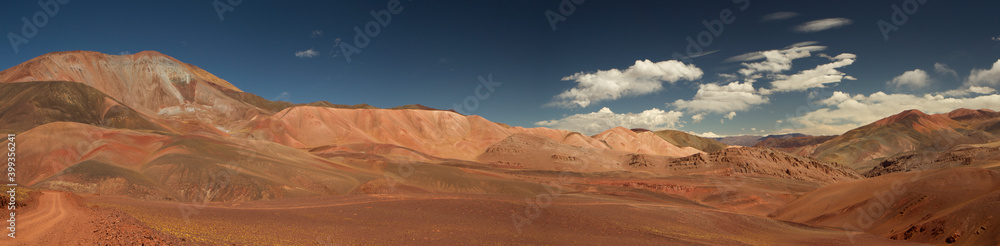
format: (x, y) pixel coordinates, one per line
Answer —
(604, 119)
(817, 77)
(779, 16)
(943, 69)
(843, 111)
(726, 76)
(644, 77)
(310, 53)
(997, 38)
(715, 98)
(316, 34)
(968, 91)
(981, 90)
(822, 25)
(698, 117)
(807, 46)
(775, 61)
(915, 79)
(731, 115)
(985, 77)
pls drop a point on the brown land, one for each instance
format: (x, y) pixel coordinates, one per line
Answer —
(146, 150)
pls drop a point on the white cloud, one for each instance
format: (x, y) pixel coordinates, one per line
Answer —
(982, 90)
(700, 54)
(284, 96)
(967, 91)
(316, 34)
(307, 53)
(727, 76)
(731, 115)
(986, 77)
(942, 68)
(817, 77)
(776, 61)
(714, 98)
(996, 38)
(802, 44)
(643, 78)
(706, 134)
(604, 119)
(822, 25)
(915, 79)
(779, 16)
(698, 117)
(843, 111)
(758, 55)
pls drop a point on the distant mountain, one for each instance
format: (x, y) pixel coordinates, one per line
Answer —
(766, 162)
(441, 134)
(525, 151)
(536, 152)
(982, 119)
(966, 155)
(793, 142)
(362, 106)
(803, 146)
(622, 139)
(682, 139)
(964, 114)
(437, 133)
(751, 140)
(152, 83)
(910, 130)
(784, 136)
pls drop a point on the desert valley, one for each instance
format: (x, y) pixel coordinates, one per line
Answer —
(147, 149)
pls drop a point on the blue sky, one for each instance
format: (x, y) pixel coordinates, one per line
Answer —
(826, 66)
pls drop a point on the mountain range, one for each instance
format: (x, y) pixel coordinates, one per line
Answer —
(146, 129)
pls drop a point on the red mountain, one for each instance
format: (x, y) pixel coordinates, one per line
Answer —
(910, 130)
(149, 82)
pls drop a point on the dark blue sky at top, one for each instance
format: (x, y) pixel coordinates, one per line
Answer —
(433, 51)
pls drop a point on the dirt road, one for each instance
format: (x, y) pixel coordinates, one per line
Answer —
(39, 226)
